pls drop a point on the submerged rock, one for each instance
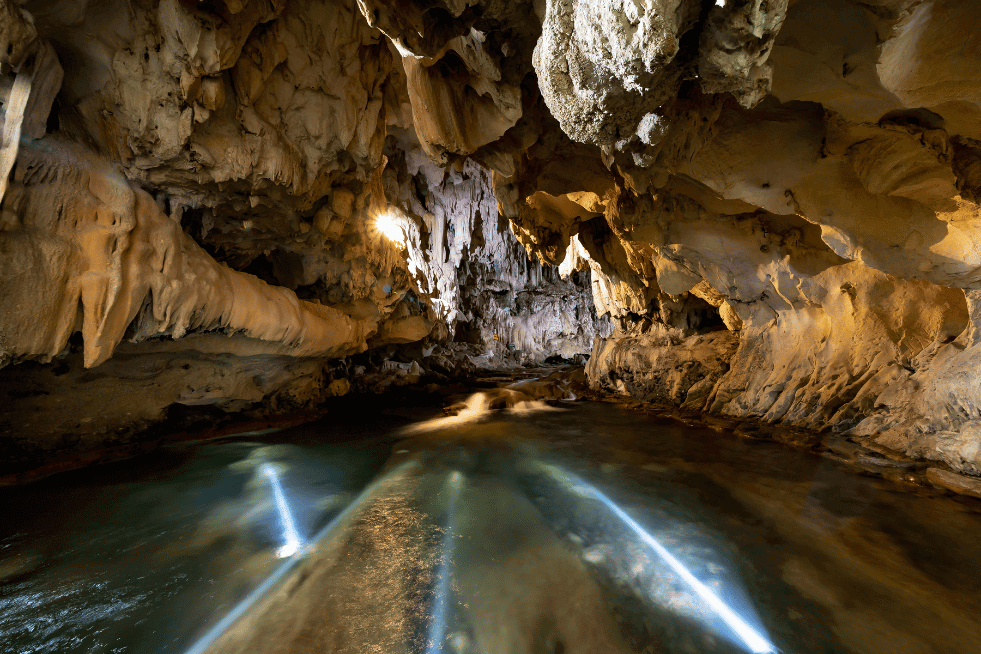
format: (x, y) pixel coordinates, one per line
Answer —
(961, 484)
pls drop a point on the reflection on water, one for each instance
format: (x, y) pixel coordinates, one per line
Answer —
(712, 604)
(587, 529)
(291, 538)
(477, 407)
(144, 555)
(442, 594)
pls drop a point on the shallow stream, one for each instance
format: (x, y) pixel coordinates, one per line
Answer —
(542, 529)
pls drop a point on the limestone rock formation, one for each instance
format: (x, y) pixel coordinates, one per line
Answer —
(604, 68)
(196, 198)
(775, 204)
(827, 219)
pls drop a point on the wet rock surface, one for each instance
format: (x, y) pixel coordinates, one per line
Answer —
(961, 484)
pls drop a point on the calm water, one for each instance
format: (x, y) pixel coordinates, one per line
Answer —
(586, 528)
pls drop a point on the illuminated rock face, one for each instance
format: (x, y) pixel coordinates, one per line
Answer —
(193, 192)
(727, 166)
(780, 220)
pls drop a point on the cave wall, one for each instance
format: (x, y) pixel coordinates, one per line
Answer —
(773, 206)
(806, 170)
(189, 220)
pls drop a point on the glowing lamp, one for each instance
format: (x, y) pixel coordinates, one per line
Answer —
(391, 226)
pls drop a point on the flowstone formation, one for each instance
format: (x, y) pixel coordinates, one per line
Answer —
(777, 201)
(189, 220)
(774, 203)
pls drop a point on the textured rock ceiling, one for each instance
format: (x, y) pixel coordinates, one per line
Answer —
(781, 196)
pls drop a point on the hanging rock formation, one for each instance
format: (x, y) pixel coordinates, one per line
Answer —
(190, 220)
(781, 221)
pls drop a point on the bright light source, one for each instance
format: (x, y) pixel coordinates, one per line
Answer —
(288, 550)
(754, 641)
(392, 227)
(291, 539)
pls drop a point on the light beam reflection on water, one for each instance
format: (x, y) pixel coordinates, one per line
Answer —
(280, 573)
(753, 640)
(146, 557)
(291, 539)
(437, 627)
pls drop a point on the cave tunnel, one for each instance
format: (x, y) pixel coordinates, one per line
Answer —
(532, 327)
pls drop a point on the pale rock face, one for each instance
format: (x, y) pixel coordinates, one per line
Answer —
(461, 117)
(931, 60)
(112, 256)
(735, 46)
(962, 450)
(605, 67)
(485, 285)
(662, 367)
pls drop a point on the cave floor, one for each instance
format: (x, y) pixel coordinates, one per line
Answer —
(584, 527)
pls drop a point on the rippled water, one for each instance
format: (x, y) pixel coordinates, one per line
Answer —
(585, 528)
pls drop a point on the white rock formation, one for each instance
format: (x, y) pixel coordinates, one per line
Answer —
(604, 68)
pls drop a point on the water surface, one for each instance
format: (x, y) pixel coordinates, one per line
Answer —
(580, 528)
